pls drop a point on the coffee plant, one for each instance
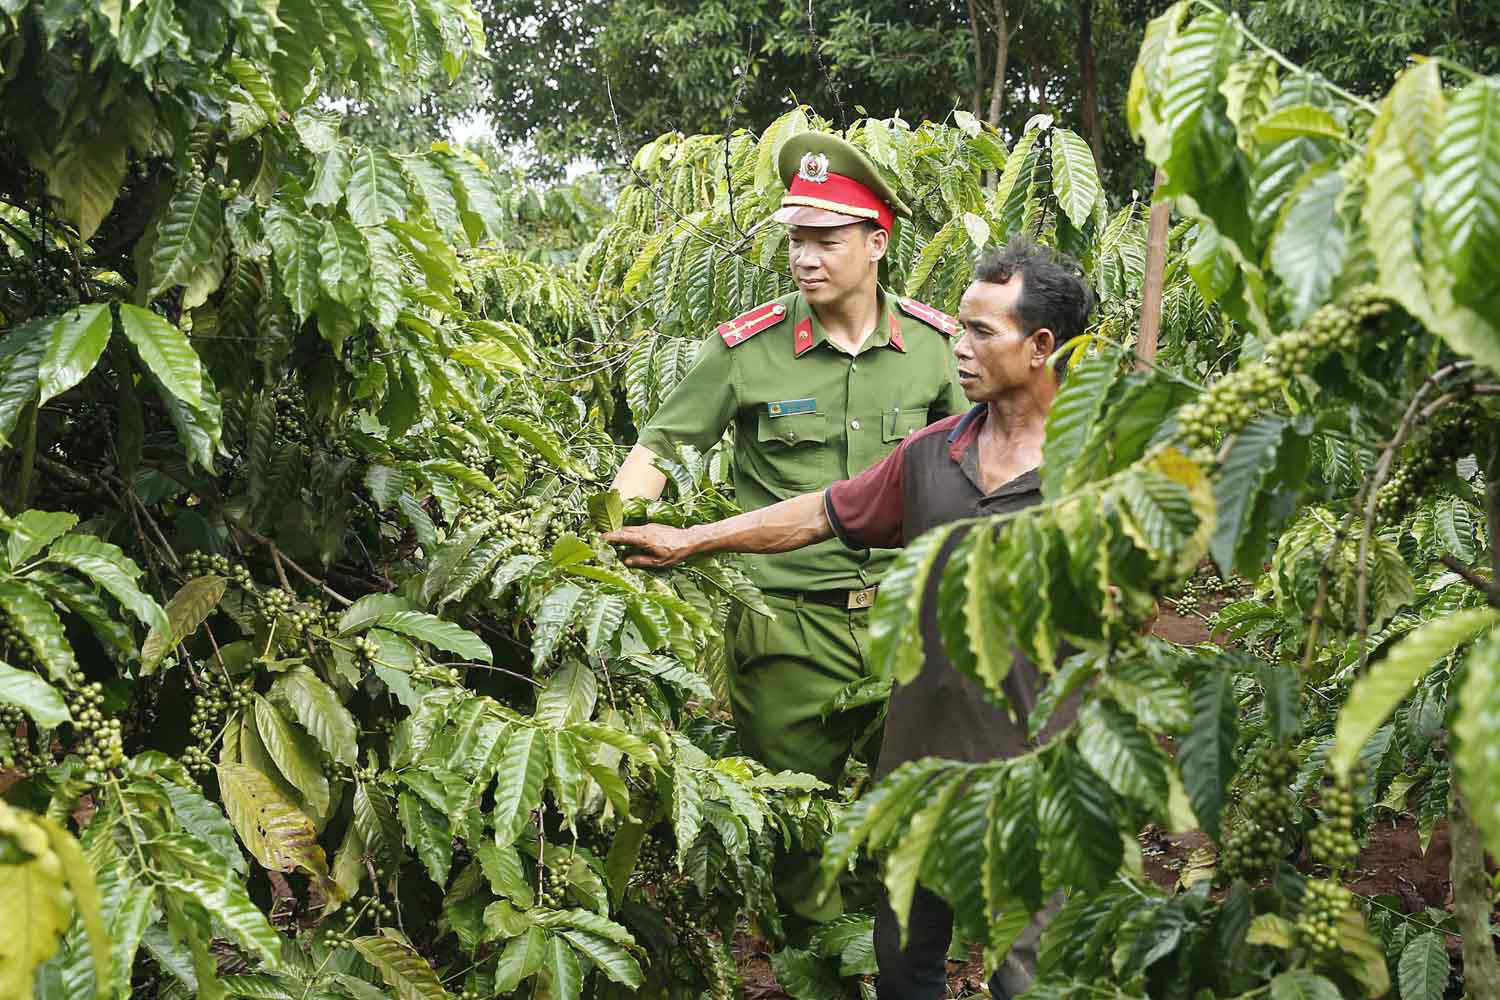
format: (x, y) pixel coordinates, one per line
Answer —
(1343, 458)
(316, 680)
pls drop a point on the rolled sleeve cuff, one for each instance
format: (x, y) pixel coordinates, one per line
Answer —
(659, 443)
(833, 519)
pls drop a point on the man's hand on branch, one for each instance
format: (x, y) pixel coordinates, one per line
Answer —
(660, 545)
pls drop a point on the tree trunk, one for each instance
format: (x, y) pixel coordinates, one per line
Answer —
(1002, 56)
(1471, 907)
(977, 30)
(1089, 73)
(1156, 265)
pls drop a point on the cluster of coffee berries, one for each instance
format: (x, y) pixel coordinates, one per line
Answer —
(102, 746)
(1233, 401)
(483, 507)
(89, 428)
(1323, 902)
(1449, 438)
(16, 751)
(655, 864)
(291, 413)
(299, 621)
(356, 910)
(635, 699)
(715, 965)
(1332, 841)
(216, 696)
(552, 888)
(530, 526)
(332, 938)
(1185, 603)
(365, 648)
(14, 648)
(1259, 841)
(275, 602)
(205, 563)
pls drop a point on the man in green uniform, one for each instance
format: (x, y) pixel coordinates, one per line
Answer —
(818, 385)
(1022, 304)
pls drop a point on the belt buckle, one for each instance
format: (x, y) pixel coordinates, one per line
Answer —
(861, 598)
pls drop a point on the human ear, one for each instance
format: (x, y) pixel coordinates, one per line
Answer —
(1043, 344)
(878, 242)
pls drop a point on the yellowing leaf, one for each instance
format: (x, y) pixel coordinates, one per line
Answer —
(38, 905)
(188, 608)
(276, 832)
(405, 971)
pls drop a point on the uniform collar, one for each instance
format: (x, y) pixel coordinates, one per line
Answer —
(807, 332)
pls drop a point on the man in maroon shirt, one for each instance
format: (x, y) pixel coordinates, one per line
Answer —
(1022, 304)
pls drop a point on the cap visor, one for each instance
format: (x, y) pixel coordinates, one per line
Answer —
(806, 215)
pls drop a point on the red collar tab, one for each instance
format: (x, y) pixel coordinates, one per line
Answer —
(803, 341)
(747, 325)
(896, 340)
(935, 318)
(838, 193)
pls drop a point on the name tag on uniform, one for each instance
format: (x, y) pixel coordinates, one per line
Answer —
(787, 406)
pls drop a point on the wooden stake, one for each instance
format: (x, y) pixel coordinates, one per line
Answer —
(1156, 265)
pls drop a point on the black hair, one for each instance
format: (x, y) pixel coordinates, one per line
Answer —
(1053, 292)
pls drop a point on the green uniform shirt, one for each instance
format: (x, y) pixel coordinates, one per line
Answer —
(805, 419)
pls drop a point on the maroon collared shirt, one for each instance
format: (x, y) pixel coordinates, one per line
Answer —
(932, 479)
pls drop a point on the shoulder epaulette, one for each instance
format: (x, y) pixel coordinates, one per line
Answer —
(935, 318)
(748, 324)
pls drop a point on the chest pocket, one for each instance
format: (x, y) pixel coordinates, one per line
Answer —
(897, 423)
(794, 450)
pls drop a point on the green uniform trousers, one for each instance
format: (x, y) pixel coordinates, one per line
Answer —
(781, 674)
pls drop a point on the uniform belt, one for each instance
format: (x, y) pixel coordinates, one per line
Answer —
(853, 600)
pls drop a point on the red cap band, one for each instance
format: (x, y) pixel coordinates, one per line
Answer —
(841, 194)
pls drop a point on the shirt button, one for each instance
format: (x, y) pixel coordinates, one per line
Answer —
(854, 424)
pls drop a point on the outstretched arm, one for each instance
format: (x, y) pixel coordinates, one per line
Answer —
(639, 476)
(790, 524)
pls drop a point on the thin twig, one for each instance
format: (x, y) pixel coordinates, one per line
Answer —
(609, 685)
(218, 656)
(691, 227)
(499, 670)
(1489, 588)
(280, 572)
(1492, 494)
(278, 557)
(1150, 365)
(817, 51)
(739, 92)
(1409, 420)
(1320, 602)
(1286, 63)
(155, 529)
